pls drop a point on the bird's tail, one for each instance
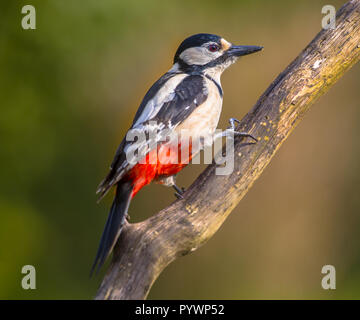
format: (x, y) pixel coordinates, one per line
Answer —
(114, 223)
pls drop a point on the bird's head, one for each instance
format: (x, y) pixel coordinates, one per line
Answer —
(205, 52)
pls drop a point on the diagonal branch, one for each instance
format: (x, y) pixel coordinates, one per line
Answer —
(145, 249)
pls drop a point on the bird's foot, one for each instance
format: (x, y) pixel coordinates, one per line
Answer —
(233, 130)
(232, 122)
(179, 192)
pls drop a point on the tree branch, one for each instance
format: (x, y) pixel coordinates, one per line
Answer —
(145, 249)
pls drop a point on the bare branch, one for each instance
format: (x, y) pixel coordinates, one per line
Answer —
(145, 249)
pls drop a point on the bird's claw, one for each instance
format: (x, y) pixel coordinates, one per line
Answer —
(245, 135)
(232, 122)
(179, 192)
(179, 196)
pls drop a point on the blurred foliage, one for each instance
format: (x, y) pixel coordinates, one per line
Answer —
(69, 90)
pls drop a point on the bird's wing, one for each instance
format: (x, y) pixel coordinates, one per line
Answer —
(167, 104)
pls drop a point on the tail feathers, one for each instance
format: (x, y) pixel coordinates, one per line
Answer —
(114, 223)
(106, 185)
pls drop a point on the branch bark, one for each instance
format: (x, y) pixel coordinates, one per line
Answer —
(145, 249)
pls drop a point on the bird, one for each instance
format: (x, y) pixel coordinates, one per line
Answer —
(187, 98)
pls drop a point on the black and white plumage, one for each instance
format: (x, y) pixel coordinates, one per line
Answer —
(186, 98)
(186, 86)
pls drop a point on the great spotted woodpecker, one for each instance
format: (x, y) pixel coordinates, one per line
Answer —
(187, 98)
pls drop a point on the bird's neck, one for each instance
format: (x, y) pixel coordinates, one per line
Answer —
(213, 73)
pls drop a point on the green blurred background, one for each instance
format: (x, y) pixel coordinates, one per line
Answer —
(69, 90)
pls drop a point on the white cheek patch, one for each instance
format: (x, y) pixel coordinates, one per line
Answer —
(198, 55)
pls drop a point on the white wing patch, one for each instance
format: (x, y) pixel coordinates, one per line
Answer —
(165, 94)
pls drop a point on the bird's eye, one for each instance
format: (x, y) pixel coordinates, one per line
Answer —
(213, 47)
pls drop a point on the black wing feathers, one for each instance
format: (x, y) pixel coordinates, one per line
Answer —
(189, 93)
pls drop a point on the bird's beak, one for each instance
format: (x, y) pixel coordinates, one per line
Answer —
(238, 51)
